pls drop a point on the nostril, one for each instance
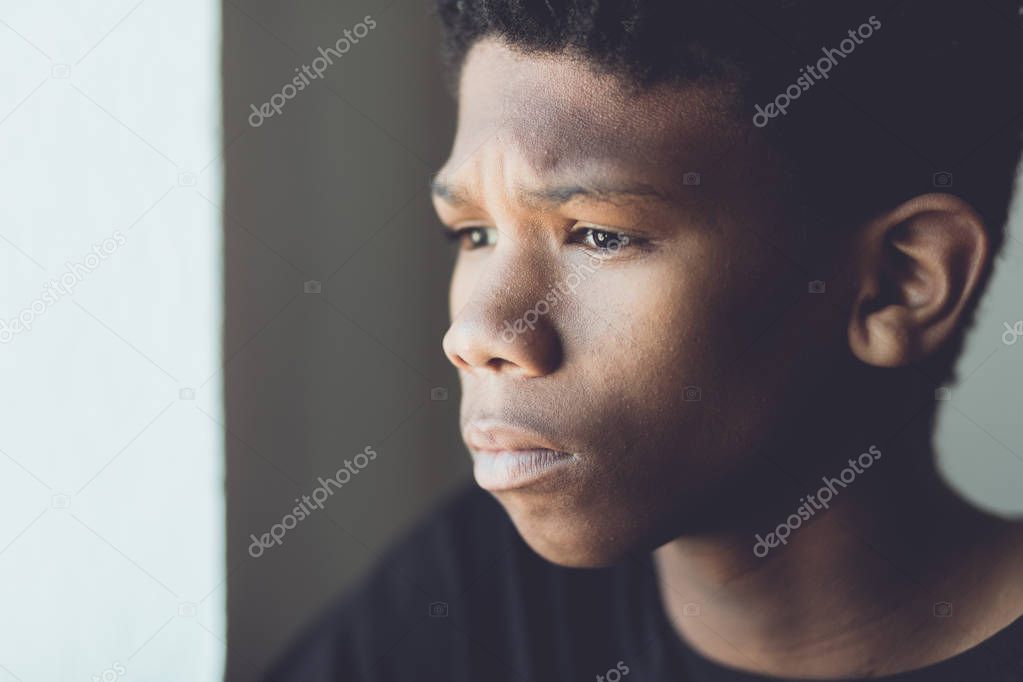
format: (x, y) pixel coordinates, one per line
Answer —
(474, 344)
(494, 363)
(498, 364)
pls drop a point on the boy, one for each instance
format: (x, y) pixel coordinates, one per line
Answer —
(715, 259)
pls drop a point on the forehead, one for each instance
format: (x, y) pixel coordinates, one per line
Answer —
(554, 111)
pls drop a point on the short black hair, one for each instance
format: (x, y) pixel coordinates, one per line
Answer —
(927, 96)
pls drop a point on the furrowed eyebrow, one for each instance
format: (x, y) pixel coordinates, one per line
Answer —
(559, 194)
(562, 194)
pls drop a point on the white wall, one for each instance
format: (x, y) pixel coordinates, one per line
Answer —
(980, 429)
(111, 477)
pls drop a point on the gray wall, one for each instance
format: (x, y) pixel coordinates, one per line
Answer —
(333, 190)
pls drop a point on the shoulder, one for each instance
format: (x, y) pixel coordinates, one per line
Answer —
(405, 613)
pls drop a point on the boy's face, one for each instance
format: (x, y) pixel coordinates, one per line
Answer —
(662, 361)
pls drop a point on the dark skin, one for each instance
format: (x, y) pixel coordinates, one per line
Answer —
(553, 165)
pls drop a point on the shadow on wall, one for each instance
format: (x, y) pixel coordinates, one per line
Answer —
(341, 408)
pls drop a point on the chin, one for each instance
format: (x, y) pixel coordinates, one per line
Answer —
(567, 536)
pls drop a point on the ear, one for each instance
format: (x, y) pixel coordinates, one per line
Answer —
(918, 267)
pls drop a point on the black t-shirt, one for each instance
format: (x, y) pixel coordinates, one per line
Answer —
(463, 598)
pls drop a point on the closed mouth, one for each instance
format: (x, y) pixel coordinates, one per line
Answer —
(497, 470)
(507, 457)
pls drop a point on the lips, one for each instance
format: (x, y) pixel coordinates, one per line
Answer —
(507, 457)
(496, 436)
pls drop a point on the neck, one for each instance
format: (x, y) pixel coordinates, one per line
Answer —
(855, 589)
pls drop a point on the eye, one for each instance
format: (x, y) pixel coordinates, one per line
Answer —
(473, 237)
(602, 240)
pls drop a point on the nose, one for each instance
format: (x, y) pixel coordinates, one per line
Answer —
(506, 327)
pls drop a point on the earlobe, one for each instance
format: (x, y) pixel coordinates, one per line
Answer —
(918, 268)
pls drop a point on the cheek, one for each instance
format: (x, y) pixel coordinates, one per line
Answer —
(667, 339)
(641, 356)
(658, 318)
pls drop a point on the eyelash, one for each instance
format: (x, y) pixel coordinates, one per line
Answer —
(466, 236)
(614, 240)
